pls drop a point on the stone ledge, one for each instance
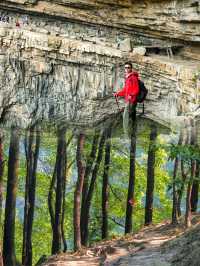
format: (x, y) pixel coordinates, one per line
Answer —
(139, 15)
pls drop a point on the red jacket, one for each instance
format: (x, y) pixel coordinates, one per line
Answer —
(131, 88)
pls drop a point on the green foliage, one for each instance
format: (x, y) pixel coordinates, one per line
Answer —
(185, 153)
(118, 178)
(118, 184)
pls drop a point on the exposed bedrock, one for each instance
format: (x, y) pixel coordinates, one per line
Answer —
(60, 60)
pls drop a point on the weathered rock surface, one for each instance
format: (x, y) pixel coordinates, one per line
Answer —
(59, 60)
(178, 18)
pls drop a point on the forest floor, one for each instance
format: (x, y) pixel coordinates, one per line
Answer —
(148, 247)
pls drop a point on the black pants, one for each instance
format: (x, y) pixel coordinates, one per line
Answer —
(129, 118)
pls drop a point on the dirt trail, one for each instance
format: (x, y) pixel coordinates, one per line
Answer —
(141, 249)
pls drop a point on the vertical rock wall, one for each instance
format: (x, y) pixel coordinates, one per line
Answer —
(61, 60)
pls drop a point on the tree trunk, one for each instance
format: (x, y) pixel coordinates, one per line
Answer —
(177, 194)
(32, 145)
(150, 177)
(88, 169)
(9, 256)
(180, 193)
(60, 177)
(1, 258)
(63, 208)
(1, 191)
(1, 178)
(78, 192)
(188, 198)
(68, 166)
(195, 190)
(191, 179)
(86, 214)
(131, 186)
(105, 187)
(50, 197)
(175, 199)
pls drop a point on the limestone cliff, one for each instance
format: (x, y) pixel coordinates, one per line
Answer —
(61, 59)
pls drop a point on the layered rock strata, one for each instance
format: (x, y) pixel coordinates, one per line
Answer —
(61, 60)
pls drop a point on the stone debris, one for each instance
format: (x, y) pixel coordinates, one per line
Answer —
(125, 45)
(139, 51)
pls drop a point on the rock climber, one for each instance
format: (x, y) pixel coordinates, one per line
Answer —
(130, 89)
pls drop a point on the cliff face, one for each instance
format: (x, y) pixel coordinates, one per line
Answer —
(61, 59)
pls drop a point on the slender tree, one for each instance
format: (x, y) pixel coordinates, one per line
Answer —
(78, 192)
(195, 190)
(195, 182)
(1, 258)
(68, 166)
(9, 255)
(60, 182)
(150, 177)
(105, 187)
(88, 169)
(64, 207)
(183, 140)
(181, 190)
(175, 196)
(1, 176)
(88, 200)
(188, 196)
(61, 163)
(131, 185)
(51, 197)
(176, 193)
(1, 190)
(191, 178)
(32, 143)
(63, 214)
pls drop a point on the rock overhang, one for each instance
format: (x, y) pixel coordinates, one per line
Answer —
(68, 72)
